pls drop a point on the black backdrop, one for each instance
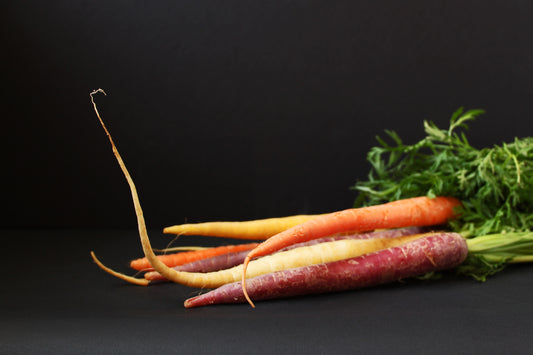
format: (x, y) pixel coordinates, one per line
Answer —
(239, 109)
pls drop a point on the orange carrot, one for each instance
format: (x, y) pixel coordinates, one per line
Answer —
(175, 259)
(259, 229)
(418, 211)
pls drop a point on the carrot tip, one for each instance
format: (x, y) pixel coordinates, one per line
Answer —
(130, 279)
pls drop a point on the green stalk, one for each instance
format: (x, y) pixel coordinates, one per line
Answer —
(512, 259)
(491, 253)
(503, 245)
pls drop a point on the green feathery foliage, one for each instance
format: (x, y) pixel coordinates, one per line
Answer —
(494, 184)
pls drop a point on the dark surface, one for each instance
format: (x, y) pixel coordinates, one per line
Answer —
(57, 301)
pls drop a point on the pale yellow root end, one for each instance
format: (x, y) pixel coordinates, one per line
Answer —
(130, 279)
(259, 229)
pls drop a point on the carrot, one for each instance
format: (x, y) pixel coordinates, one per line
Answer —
(424, 213)
(260, 229)
(229, 260)
(434, 252)
(176, 259)
(417, 211)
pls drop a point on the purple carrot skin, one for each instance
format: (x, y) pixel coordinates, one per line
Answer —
(435, 252)
(229, 260)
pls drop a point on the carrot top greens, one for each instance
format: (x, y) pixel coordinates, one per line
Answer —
(495, 186)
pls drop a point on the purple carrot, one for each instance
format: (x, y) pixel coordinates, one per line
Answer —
(435, 252)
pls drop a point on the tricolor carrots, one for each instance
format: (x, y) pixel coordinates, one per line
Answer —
(260, 229)
(421, 211)
(417, 211)
(175, 259)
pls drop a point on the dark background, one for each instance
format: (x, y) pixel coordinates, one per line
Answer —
(239, 109)
(234, 110)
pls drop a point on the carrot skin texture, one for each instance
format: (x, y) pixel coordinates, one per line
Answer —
(432, 253)
(229, 260)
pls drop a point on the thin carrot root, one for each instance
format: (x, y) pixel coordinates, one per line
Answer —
(130, 279)
(141, 224)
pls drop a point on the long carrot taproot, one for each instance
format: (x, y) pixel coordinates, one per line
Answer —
(434, 252)
(259, 229)
(417, 211)
(175, 259)
(141, 223)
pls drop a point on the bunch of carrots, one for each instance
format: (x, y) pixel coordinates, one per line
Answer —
(307, 254)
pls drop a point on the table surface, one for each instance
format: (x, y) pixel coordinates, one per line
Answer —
(55, 300)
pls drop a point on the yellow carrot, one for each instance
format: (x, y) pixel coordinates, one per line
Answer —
(259, 229)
